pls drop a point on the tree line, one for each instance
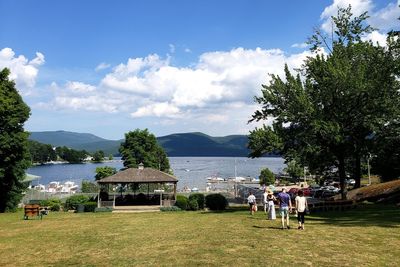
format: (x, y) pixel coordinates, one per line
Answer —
(43, 153)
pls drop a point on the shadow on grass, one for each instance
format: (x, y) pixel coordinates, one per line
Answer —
(267, 227)
(364, 215)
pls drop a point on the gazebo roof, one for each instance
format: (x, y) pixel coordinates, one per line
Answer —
(139, 175)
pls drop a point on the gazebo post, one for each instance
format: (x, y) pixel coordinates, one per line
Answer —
(98, 198)
(175, 191)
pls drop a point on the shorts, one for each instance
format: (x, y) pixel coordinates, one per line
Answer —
(284, 211)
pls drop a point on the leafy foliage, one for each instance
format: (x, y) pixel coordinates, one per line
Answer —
(199, 198)
(140, 146)
(41, 153)
(329, 118)
(73, 201)
(216, 202)
(98, 156)
(182, 202)
(294, 169)
(89, 187)
(102, 172)
(71, 155)
(90, 206)
(53, 203)
(172, 208)
(267, 177)
(14, 154)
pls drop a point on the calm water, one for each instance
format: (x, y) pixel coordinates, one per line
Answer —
(191, 171)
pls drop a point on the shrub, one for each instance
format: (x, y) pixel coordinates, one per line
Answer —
(199, 198)
(103, 209)
(55, 207)
(172, 208)
(54, 204)
(90, 206)
(193, 205)
(73, 201)
(216, 202)
(182, 202)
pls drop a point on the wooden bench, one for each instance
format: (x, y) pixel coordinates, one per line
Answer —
(32, 210)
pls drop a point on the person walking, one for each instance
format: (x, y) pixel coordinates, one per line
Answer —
(252, 203)
(301, 208)
(271, 205)
(265, 200)
(285, 207)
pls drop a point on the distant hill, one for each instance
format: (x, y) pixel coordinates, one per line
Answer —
(199, 144)
(176, 145)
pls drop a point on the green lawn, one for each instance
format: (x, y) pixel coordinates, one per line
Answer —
(368, 236)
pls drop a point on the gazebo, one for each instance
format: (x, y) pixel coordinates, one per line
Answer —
(130, 180)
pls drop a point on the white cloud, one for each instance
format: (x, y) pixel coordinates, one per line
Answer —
(102, 66)
(187, 50)
(151, 86)
(23, 71)
(357, 7)
(376, 37)
(301, 45)
(383, 19)
(79, 87)
(386, 19)
(158, 110)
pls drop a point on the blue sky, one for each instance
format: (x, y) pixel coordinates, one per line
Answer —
(108, 67)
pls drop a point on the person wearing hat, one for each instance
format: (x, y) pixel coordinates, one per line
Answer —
(271, 205)
(285, 206)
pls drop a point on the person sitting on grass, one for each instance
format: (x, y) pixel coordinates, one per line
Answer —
(285, 207)
(252, 202)
(301, 207)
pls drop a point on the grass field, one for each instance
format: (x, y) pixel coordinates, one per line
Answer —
(368, 236)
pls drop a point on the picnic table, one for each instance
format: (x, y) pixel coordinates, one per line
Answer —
(34, 210)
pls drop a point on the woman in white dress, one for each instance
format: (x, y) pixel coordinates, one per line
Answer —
(271, 205)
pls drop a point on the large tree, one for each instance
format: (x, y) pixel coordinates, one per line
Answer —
(328, 117)
(14, 155)
(140, 146)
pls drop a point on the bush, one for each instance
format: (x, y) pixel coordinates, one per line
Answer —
(199, 198)
(54, 204)
(172, 208)
(182, 202)
(73, 201)
(216, 202)
(193, 205)
(90, 206)
(55, 207)
(103, 209)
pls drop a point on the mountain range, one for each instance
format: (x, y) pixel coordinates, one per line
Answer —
(176, 145)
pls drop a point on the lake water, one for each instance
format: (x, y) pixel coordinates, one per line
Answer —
(190, 171)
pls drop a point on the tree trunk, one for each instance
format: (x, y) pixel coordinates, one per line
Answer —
(342, 176)
(357, 170)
